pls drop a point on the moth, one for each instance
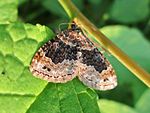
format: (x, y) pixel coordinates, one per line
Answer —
(72, 54)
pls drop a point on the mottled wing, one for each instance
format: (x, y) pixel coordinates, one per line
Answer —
(53, 62)
(70, 54)
(95, 70)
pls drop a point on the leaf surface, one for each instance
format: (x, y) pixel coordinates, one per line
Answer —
(115, 107)
(129, 11)
(143, 105)
(8, 11)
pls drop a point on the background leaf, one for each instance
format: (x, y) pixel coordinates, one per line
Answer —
(115, 107)
(8, 11)
(132, 42)
(129, 11)
(54, 6)
(143, 103)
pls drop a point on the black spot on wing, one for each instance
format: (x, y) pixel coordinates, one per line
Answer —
(93, 58)
(61, 52)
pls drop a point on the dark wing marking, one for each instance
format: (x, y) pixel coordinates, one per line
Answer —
(55, 62)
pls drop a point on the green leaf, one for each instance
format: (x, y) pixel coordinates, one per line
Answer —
(70, 97)
(22, 1)
(18, 87)
(54, 6)
(94, 2)
(133, 43)
(8, 11)
(115, 107)
(14, 103)
(143, 105)
(20, 91)
(129, 11)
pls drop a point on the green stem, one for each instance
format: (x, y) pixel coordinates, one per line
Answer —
(75, 14)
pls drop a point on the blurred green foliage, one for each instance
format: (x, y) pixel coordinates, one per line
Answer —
(8, 11)
(125, 22)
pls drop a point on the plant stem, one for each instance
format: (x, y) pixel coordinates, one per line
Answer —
(78, 17)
